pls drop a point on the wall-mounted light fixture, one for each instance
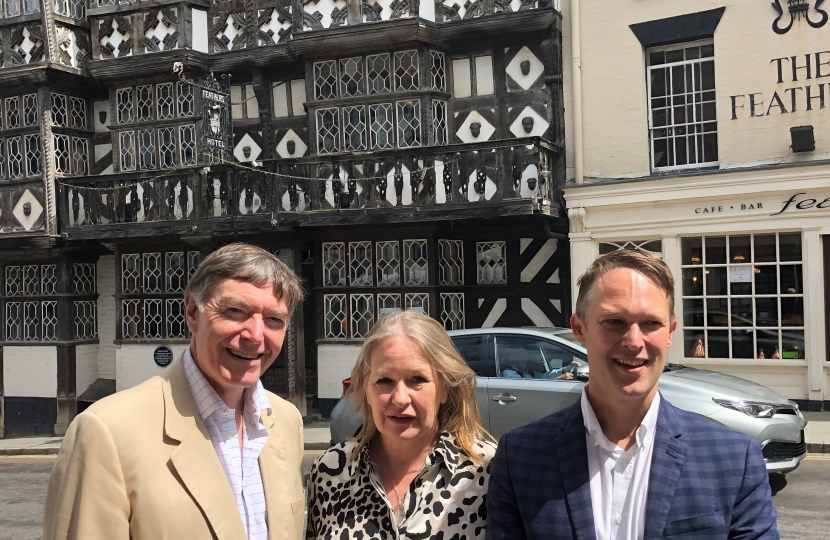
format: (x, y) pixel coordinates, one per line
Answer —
(802, 139)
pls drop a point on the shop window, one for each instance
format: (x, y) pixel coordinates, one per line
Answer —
(655, 247)
(491, 263)
(743, 296)
(682, 120)
(151, 300)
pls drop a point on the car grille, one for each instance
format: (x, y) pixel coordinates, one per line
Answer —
(783, 450)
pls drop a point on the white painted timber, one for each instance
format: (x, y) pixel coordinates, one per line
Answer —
(106, 317)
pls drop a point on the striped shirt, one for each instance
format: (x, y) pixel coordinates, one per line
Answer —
(241, 468)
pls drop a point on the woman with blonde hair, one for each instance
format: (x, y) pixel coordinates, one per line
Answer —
(420, 465)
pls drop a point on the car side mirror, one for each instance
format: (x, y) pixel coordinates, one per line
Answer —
(581, 373)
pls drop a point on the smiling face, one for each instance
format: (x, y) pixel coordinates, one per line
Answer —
(404, 392)
(627, 331)
(237, 335)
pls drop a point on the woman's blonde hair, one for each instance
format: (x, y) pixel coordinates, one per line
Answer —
(459, 415)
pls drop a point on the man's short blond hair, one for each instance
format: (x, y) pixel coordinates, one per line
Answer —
(245, 262)
(650, 266)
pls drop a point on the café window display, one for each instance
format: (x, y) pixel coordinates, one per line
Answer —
(743, 296)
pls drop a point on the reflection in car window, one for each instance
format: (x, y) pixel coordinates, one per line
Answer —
(529, 358)
(474, 349)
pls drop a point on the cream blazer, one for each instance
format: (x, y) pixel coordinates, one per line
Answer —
(140, 465)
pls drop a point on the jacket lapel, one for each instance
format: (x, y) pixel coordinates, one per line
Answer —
(666, 464)
(195, 460)
(572, 459)
(273, 469)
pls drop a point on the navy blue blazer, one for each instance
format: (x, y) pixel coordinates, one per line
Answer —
(706, 481)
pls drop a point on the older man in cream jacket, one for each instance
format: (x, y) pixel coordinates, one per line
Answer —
(203, 452)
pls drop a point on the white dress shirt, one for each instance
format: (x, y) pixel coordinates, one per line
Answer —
(241, 468)
(619, 479)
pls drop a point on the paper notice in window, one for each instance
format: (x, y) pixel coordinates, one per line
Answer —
(740, 274)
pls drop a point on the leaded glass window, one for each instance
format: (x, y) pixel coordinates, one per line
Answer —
(152, 272)
(31, 6)
(388, 263)
(131, 273)
(164, 101)
(14, 321)
(80, 156)
(84, 278)
(131, 319)
(126, 143)
(30, 112)
(14, 149)
(48, 279)
(187, 136)
(491, 263)
(417, 302)
(438, 71)
(325, 80)
(167, 147)
(78, 9)
(175, 271)
(406, 71)
(382, 126)
(354, 128)
(439, 122)
(12, 112)
(362, 314)
(334, 314)
(185, 99)
(59, 110)
(153, 318)
(452, 310)
(360, 264)
(176, 320)
(124, 105)
(351, 77)
(334, 264)
(31, 321)
(409, 123)
(451, 262)
(31, 280)
(379, 73)
(328, 131)
(388, 303)
(14, 281)
(49, 322)
(12, 8)
(77, 112)
(33, 161)
(63, 153)
(415, 269)
(86, 316)
(146, 149)
(144, 96)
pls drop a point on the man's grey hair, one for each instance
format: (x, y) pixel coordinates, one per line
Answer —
(245, 262)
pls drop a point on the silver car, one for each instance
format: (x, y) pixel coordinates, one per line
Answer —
(527, 373)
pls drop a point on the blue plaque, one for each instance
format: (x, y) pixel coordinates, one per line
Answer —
(163, 356)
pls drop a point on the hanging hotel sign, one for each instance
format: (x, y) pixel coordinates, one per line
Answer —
(216, 123)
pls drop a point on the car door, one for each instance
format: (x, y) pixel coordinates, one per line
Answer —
(525, 387)
(477, 351)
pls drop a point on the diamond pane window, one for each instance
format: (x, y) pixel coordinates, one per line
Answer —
(328, 131)
(146, 149)
(164, 101)
(325, 80)
(187, 136)
(153, 318)
(379, 74)
(334, 264)
(48, 279)
(176, 271)
(31, 280)
(33, 161)
(360, 259)
(84, 278)
(682, 121)
(417, 302)
(382, 126)
(77, 112)
(131, 273)
(144, 95)
(185, 102)
(439, 122)
(2, 159)
(31, 6)
(406, 71)
(194, 258)
(451, 262)
(124, 105)
(409, 123)
(78, 9)
(438, 71)
(354, 128)
(415, 270)
(152, 272)
(388, 303)
(167, 147)
(491, 263)
(351, 77)
(80, 156)
(31, 321)
(14, 281)
(334, 310)
(131, 319)
(362, 314)
(14, 321)
(452, 310)
(14, 156)
(388, 263)
(49, 323)
(86, 315)
(176, 322)
(12, 8)
(59, 110)
(126, 142)
(63, 153)
(30, 112)
(12, 112)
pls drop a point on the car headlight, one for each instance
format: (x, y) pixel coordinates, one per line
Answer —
(754, 409)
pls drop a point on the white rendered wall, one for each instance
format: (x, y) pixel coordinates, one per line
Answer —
(134, 364)
(334, 363)
(30, 372)
(86, 367)
(106, 317)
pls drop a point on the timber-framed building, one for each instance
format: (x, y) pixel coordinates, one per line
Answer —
(398, 154)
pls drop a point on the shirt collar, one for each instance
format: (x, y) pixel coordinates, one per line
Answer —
(642, 435)
(446, 450)
(208, 401)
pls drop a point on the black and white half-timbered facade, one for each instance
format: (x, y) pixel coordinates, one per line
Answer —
(398, 154)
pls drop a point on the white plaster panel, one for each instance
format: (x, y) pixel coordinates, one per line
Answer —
(484, 75)
(426, 10)
(106, 317)
(200, 30)
(236, 102)
(334, 363)
(30, 372)
(280, 98)
(299, 146)
(298, 97)
(461, 86)
(86, 367)
(464, 133)
(246, 140)
(540, 125)
(514, 68)
(36, 210)
(134, 364)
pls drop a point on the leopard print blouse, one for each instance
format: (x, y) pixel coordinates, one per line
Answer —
(446, 501)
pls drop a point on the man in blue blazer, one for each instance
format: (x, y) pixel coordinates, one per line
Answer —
(622, 463)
